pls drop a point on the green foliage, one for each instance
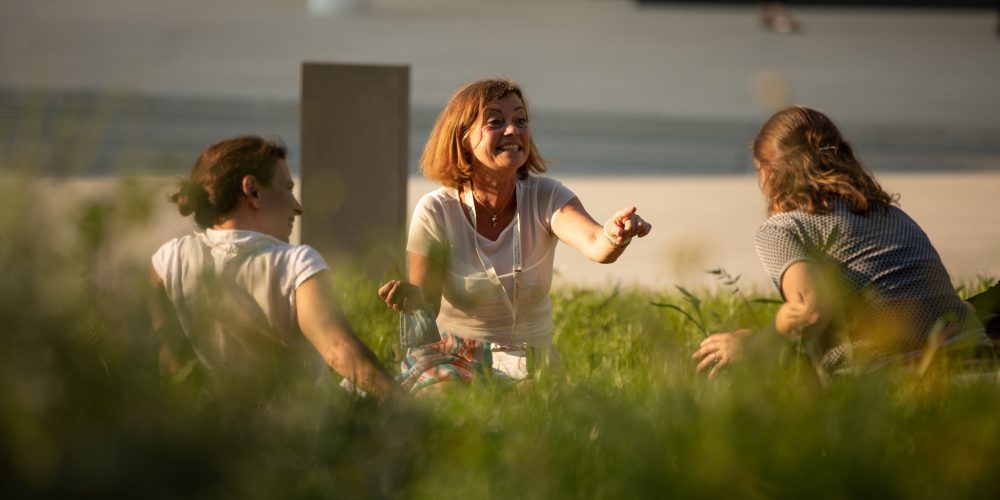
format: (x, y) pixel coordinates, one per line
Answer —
(83, 412)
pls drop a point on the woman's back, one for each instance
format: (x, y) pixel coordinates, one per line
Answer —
(234, 293)
(891, 286)
(882, 251)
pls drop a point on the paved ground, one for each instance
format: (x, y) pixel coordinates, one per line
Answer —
(634, 93)
(645, 90)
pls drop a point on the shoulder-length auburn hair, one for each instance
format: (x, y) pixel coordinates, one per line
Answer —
(447, 159)
(805, 164)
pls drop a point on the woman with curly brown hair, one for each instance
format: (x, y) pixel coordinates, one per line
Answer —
(861, 283)
(480, 248)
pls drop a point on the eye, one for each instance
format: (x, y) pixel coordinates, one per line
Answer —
(521, 121)
(494, 122)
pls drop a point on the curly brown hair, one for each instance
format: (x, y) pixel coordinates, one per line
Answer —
(216, 181)
(805, 164)
(446, 159)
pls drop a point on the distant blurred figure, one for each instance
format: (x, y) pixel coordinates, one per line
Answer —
(775, 17)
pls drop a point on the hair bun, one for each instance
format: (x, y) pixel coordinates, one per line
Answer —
(189, 197)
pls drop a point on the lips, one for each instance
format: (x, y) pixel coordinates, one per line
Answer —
(509, 148)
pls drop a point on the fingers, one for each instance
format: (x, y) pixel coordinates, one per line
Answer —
(389, 294)
(642, 228)
(718, 366)
(386, 290)
(714, 339)
(715, 352)
(621, 215)
(708, 353)
(713, 358)
(628, 224)
(706, 362)
(703, 351)
(812, 318)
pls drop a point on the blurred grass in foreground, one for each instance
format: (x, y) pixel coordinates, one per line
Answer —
(83, 412)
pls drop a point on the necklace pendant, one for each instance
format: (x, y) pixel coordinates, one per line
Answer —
(493, 219)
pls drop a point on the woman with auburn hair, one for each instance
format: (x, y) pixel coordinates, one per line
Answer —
(251, 304)
(861, 283)
(480, 248)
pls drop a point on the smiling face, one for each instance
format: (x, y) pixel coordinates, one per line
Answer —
(277, 204)
(501, 138)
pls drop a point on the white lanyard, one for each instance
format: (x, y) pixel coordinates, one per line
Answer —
(491, 273)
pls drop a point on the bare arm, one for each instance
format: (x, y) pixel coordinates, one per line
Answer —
(323, 323)
(808, 306)
(807, 310)
(579, 230)
(165, 325)
(427, 273)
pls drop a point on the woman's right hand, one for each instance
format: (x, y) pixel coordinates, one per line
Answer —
(793, 318)
(401, 296)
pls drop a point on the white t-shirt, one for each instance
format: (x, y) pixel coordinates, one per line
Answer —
(471, 306)
(234, 291)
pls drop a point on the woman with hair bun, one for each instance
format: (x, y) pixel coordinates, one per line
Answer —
(862, 285)
(249, 302)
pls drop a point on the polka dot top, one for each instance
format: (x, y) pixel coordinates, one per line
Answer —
(881, 256)
(882, 250)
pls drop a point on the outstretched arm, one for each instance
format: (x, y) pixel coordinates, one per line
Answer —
(603, 244)
(323, 323)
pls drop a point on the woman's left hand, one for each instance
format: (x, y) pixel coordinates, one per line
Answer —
(720, 349)
(626, 223)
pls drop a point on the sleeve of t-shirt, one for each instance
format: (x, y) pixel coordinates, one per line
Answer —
(162, 258)
(425, 227)
(778, 247)
(552, 197)
(306, 263)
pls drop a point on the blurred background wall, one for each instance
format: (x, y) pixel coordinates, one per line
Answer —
(657, 99)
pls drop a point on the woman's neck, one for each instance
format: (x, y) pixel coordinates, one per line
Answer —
(493, 189)
(238, 219)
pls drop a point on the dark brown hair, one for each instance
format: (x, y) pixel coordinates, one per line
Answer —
(805, 164)
(445, 157)
(216, 181)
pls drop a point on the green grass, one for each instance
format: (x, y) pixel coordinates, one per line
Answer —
(83, 412)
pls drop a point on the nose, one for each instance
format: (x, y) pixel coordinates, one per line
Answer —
(298, 206)
(511, 129)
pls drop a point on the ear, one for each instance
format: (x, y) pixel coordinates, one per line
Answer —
(251, 189)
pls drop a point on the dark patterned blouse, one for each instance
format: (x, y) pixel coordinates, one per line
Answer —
(890, 288)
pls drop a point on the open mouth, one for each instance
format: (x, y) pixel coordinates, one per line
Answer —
(509, 148)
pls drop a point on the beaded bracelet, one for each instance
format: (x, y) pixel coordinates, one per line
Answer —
(622, 243)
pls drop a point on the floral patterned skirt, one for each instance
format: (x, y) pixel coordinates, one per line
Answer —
(462, 360)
